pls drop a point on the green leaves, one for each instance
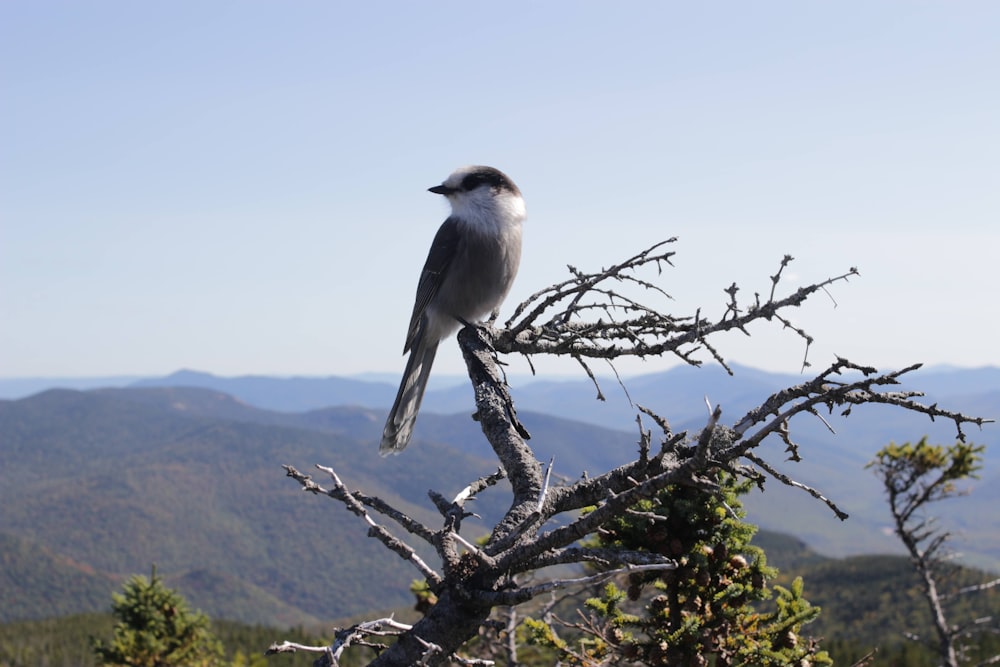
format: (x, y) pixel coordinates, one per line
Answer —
(156, 629)
(706, 609)
(916, 474)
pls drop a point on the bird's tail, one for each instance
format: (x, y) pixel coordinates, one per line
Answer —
(399, 425)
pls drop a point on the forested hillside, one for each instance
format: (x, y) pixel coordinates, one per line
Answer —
(867, 602)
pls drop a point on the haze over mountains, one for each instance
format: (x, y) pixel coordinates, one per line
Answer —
(184, 471)
(683, 389)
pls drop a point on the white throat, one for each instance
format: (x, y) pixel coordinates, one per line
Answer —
(482, 208)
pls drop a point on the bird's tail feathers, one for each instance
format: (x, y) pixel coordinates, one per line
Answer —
(402, 417)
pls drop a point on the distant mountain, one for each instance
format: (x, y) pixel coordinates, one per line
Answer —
(296, 394)
(113, 485)
(240, 599)
(947, 381)
(14, 388)
(681, 390)
(106, 482)
(34, 580)
(834, 462)
(565, 440)
(31, 571)
(678, 393)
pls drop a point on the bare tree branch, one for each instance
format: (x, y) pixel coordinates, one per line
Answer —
(603, 314)
(340, 492)
(784, 479)
(544, 323)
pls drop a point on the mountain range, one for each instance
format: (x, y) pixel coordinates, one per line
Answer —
(675, 393)
(184, 471)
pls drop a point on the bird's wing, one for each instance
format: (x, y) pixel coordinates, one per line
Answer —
(433, 274)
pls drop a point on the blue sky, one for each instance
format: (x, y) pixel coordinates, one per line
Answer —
(240, 187)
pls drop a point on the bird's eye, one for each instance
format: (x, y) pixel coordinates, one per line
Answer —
(471, 182)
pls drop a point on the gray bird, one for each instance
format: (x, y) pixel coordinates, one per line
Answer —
(469, 270)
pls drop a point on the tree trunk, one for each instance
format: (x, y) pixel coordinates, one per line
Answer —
(448, 625)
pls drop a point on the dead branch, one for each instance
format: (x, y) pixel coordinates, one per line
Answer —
(559, 319)
(339, 492)
(588, 316)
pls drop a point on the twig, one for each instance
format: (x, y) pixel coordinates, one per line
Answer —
(545, 484)
(376, 530)
(785, 479)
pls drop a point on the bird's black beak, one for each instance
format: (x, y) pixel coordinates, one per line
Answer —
(441, 190)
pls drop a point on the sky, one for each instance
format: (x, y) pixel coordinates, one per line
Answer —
(240, 187)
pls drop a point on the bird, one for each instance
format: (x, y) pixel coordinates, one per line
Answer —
(469, 270)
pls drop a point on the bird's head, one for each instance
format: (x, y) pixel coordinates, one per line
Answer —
(475, 190)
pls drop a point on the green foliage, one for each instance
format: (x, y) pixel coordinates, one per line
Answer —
(67, 642)
(156, 628)
(915, 475)
(424, 595)
(868, 602)
(923, 472)
(705, 609)
(55, 642)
